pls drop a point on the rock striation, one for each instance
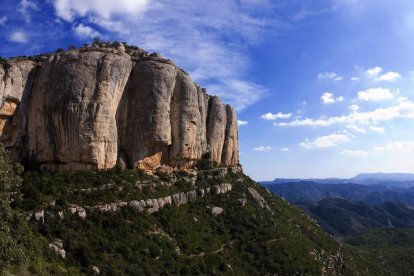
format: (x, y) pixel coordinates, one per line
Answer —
(88, 108)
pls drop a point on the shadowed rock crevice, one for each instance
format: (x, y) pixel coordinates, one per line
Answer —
(85, 108)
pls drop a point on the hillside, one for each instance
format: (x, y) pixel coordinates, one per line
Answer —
(80, 223)
(393, 248)
(342, 218)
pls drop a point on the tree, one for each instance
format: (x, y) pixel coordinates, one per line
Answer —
(10, 251)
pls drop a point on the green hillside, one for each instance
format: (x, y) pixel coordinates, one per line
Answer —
(256, 233)
(393, 248)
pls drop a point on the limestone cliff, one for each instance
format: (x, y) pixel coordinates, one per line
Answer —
(87, 108)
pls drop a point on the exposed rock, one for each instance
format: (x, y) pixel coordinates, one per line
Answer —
(216, 211)
(222, 188)
(57, 247)
(78, 210)
(86, 109)
(37, 217)
(242, 201)
(258, 198)
(153, 205)
(95, 270)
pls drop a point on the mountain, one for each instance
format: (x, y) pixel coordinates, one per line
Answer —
(369, 194)
(88, 108)
(343, 218)
(126, 222)
(402, 180)
(132, 169)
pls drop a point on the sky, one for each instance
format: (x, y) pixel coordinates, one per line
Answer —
(322, 88)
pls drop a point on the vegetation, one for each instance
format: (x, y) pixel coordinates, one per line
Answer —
(10, 251)
(342, 217)
(393, 248)
(188, 240)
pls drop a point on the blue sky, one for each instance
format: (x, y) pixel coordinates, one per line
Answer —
(322, 88)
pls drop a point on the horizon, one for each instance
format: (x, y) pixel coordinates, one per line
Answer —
(322, 90)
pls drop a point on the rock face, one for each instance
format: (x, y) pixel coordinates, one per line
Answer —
(87, 108)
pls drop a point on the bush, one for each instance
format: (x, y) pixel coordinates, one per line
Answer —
(206, 162)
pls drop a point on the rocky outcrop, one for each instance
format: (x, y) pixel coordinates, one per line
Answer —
(258, 198)
(86, 108)
(216, 211)
(57, 247)
(153, 205)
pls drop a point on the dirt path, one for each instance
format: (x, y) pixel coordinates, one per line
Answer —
(202, 254)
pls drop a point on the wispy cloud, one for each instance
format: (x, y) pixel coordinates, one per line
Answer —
(263, 148)
(19, 37)
(327, 141)
(354, 153)
(26, 7)
(403, 109)
(330, 75)
(69, 9)
(209, 40)
(3, 20)
(377, 129)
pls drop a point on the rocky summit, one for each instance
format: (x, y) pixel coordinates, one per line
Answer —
(87, 108)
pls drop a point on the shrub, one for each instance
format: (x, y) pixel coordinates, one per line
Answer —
(10, 251)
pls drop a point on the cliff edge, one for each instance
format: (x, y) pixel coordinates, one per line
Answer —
(87, 108)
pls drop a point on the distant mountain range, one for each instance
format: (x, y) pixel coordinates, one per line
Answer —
(369, 194)
(346, 207)
(386, 179)
(342, 217)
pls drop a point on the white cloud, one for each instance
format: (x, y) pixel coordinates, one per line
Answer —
(18, 37)
(327, 98)
(242, 123)
(354, 79)
(353, 107)
(390, 76)
(325, 141)
(284, 149)
(263, 148)
(405, 147)
(401, 110)
(271, 117)
(3, 20)
(238, 92)
(354, 153)
(377, 129)
(330, 75)
(356, 128)
(375, 94)
(68, 9)
(84, 31)
(373, 72)
(402, 99)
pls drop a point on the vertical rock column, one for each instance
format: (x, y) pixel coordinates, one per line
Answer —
(72, 110)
